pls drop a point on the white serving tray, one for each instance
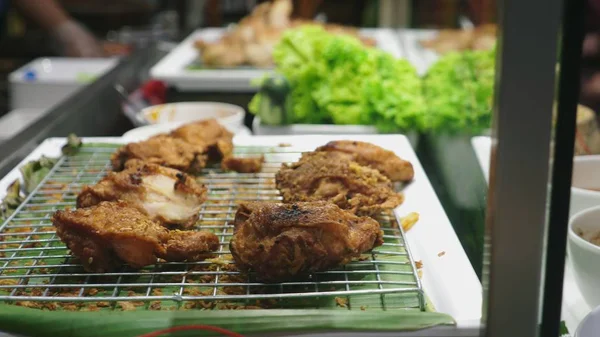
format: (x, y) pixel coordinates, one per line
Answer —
(448, 280)
(172, 68)
(574, 307)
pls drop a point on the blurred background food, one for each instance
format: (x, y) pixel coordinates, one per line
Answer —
(122, 26)
(252, 40)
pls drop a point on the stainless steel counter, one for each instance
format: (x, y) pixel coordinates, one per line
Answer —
(93, 111)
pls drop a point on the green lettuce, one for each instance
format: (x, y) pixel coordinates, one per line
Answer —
(458, 90)
(336, 79)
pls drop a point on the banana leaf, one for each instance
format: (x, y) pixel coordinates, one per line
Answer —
(74, 324)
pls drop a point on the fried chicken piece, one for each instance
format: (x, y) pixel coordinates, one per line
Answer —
(166, 195)
(253, 39)
(110, 234)
(190, 245)
(161, 150)
(243, 165)
(373, 156)
(207, 136)
(283, 241)
(221, 53)
(332, 176)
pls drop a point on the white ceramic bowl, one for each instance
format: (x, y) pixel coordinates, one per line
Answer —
(590, 325)
(584, 255)
(228, 115)
(586, 176)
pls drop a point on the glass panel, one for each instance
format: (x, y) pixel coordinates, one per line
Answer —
(461, 90)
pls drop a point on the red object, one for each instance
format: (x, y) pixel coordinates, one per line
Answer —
(154, 92)
(193, 327)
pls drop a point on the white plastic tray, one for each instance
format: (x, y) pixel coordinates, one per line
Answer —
(172, 68)
(448, 280)
(44, 82)
(574, 307)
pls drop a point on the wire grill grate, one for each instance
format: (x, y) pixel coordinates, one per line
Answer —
(36, 268)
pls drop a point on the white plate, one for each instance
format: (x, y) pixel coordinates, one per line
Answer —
(574, 307)
(448, 280)
(145, 132)
(172, 69)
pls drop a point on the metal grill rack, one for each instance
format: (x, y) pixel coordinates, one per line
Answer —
(37, 270)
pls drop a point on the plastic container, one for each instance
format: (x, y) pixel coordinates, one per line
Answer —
(44, 82)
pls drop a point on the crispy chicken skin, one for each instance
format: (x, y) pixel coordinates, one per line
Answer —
(243, 165)
(373, 156)
(207, 136)
(283, 241)
(333, 177)
(110, 234)
(166, 195)
(161, 150)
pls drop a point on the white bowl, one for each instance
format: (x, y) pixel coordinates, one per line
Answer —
(228, 115)
(586, 176)
(590, 325)
(584, 255)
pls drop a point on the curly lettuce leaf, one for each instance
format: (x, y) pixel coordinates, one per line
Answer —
(458, 90)
(335, 78)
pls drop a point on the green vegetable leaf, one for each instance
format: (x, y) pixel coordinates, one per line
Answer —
(72, 146)
(71, 324)
(35, 171)
(336, 79)
(458, 90)
(12, 200)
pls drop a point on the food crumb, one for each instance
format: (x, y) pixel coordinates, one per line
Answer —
(28, 304)
(103, 304)
(92, 307)
(363, 308)
(442, 253)
(284, 145)
(126, 306)
(70, 307)
(419, 264)
(409, 221)
(218, 260)
(50, 306)
(341, 302)
(8, 282)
